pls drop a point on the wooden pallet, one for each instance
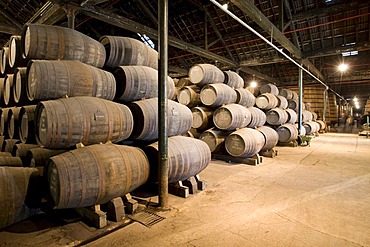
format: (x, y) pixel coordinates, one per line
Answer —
(269, 153)
(254, 161)
(293, 143)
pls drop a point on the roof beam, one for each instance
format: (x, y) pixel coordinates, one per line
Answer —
(10, 19)
(330, 51)
(263, 61)
(261, 20)
(52, 15)
(258, 74)
(8, 29)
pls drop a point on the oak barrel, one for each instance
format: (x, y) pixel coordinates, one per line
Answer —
(266, 101)
(203, 74)
(20, 86)
(322, 124)
(231, 117)
(182, 82)
(282, 102)
(65, 122)
(202, 117)
(269, 88)
(311, 127)
(287, 93)
(145, 113)
(186, 157)
(139, 82)
(38, 156)
(306, 116)
(55, 79)
(2, 87)
(15, 186)
(189, 96)
(244, 142)
(4, 121)
(8, 145)
(10, 161)
(244, 97)
(276, 116)
(4, 65)
(95, 174)
(13, 122)
(287, 132)
(20, 150)
(233, 80)
(215, 139)
(27, 124)
(15, 53)
(60, 43)
(292, 116)
(271, 137)
(215, 95)
(8, 90)
(128, 51)
(258, 117)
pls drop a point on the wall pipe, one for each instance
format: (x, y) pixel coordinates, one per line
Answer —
(272, 45)
(162, 103)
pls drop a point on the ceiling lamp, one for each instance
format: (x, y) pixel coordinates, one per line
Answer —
(342, 67)
(253, 84)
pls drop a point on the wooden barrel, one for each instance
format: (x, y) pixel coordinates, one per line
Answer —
(55, 79)
(294, 95)
(215, 95)
(186, 157)
(20, 86)
(15, 187)
(60, 43)
(276, 116)
(292, 116)
(293, 104)
(306, 116)
(193, 133)
(39, 157)
(282, 102)
(189, 96)
(231, 117)
(233, 80)
(182, 82)
(4, 121)
(266, 101)
(13, 122)
(303, 130)
(10, 161)
(115, 171)
(8, 90)
(215, 139)
(311, 127)
(5, 154)
(314, 116)
(2, 87)
(8, 145)
(4, 66)
(271, 137)
(65, 122)
(203, 74)
(286, 93)
(244, 142)
(322, 124)
(145, 113)
(287, 133)
(128, 51)
(139, 82)
(258, 117)
(27, 124)
(20, 150)
(202, 117)
(15, 52)
(269, 88)
(244, 97)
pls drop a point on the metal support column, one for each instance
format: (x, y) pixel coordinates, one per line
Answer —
(325, 104)
(300, 99)
(162, 103)
(71, 14)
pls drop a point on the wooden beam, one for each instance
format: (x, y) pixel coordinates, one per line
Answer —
(331, 51)
(8, 29)
(263, 61)
(52, 15)
(10, 19)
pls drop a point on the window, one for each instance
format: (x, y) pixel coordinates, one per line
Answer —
(146, 40)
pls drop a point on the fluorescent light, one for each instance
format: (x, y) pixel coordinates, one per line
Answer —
(355, 99)
(253, 84)
(342, 67)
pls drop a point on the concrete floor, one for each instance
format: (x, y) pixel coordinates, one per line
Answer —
(306, 196)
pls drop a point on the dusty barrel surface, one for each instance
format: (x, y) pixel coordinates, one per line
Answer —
(244, 97)
(202, 117)
(139, 82)
(322, 124)
(276, 116)
(215, 95)
(203, 74)
(269, 88)
(95, 174)
(233, 80)
(186, 157)
(189, 96)
(182, 82)
(306, 116)
(15, 187)
(20, 86)
(311, 127)
(65, 122)
(287, 132)
(4, 121)
(258, 117)
(10, 161)
(38, 157)
(13, 122)
(292, 116)
(8, 145)
(53, 43)
(145, 113)
(266, 101)
(271, 137)
(15, 52)
(55, 79)
(4, 65)
(244, 142)
(282, 102)
(8, 90)
(231, 117)
(287, 93)
(2, 86)
(27, 124)
(20, 150)
(314, 115)
(215, 139)
(128, 51)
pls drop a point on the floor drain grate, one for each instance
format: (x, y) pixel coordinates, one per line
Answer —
(146, 218)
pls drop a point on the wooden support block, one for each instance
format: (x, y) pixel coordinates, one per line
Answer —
(269, 153)
(191, 183)
(178, 189)
(293, 143)
(255, 160)
(201, 183)
(131, 204)
(115, 209)
(94, 215)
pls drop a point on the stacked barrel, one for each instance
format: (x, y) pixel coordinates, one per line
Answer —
(63, 90)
